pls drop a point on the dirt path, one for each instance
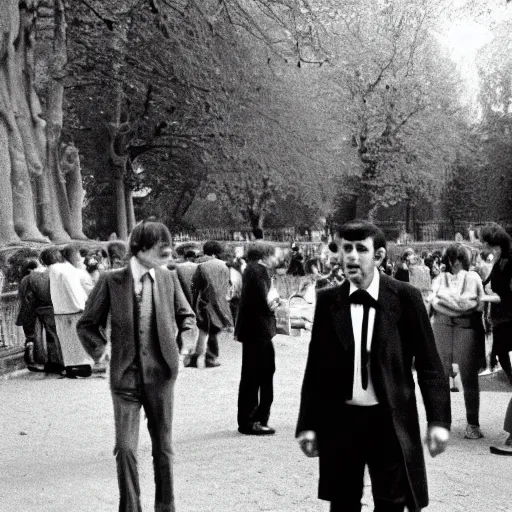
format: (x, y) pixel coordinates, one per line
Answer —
(57, 442)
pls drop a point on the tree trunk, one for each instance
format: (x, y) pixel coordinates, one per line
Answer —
(130, 210)
(122, 221)
(26, 128)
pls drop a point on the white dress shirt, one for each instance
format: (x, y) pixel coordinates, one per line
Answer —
(138, 270)
(360, 396)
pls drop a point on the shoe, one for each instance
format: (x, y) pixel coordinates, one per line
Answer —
(504, 449)
(473, 432)
(212, 364)
(257, 429)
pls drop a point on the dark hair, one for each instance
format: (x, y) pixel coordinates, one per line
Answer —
(190, 254)
(51, 255)
(212, 248)
(27, 266)
(70, 253)
(454, 253)
(91, 263)
(259, 251)
(361, 229)
(146, 235)
(494, 234)
(116, 250)
(83, 252)
(333, 247)
(258, 233)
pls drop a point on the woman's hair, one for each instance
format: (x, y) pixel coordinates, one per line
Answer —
(258, 251)
(454, 253)
(51, 255)
(494, 234)
(147, 234)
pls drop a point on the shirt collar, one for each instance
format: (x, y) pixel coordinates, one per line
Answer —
(373, 289)
(138, 270)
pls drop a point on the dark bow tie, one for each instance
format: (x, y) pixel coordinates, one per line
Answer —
(362, 297)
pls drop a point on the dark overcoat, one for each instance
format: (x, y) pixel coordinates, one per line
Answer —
(402, 332)
(114, 293)
(256, 322)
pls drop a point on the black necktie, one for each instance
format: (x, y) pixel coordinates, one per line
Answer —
(367, 301)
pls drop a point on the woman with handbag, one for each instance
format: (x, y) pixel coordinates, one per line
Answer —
(458, 328)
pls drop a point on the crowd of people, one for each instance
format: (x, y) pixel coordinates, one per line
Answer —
(145, 312)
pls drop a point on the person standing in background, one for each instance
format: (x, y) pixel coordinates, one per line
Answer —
(210, 287)
(255, 327)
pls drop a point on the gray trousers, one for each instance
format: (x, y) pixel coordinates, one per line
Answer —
(157, 401)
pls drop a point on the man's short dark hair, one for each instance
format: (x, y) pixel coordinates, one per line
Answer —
(361, 229)
(454, 253)
(51, 255)
(494, 234)
(146, 235)
(259, 251)
(116, 250)
(190, 255)
(71, 253)
(258, 233)
(212, 248)
(27, 266)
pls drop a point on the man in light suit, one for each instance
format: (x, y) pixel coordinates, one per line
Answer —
(358, 405)
(148, 309)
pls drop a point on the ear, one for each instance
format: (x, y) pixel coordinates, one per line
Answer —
(380, 254)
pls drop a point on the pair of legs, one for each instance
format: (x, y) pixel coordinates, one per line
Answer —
(256, 391)
(365, 437)
(207, 349)
(158, 406)
(460, 345)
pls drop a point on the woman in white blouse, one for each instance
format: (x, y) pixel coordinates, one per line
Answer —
(458, 328)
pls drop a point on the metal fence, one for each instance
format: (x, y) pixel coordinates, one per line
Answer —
(11, 336)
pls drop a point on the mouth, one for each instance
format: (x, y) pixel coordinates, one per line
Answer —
(352, 268)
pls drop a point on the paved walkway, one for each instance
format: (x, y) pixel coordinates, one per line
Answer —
(57, 442)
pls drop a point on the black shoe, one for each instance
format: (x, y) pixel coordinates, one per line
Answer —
(212, 364)
(257, 429)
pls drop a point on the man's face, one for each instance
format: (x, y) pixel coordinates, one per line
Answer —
(159, 255)
(358, 259)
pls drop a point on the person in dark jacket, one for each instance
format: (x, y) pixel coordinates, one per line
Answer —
(498, 242)
(358, 405)
(255, 328)
(296, 267)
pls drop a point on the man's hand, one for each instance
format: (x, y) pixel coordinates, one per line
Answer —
(437, 439)
(308, 444)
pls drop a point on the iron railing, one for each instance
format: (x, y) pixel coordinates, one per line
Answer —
(11, 336)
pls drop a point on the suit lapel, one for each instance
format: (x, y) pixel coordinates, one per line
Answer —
(123, 292)
(340, 310)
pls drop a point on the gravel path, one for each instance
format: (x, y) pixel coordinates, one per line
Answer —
(57, 444)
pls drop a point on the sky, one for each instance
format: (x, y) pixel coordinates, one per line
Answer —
(464, 36)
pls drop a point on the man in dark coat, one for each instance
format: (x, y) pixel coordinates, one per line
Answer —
(255, 328)
(210, 287)
(148, 309)
(358, 405)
